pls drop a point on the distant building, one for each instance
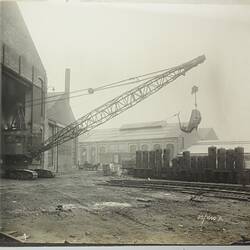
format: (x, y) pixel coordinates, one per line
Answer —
(207, 134)
(201, 148)
(118, 144)
(61, 158)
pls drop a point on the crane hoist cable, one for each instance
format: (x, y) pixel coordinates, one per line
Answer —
(90, 91)
(128, 81)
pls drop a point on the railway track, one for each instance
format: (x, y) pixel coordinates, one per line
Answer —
(224, 191)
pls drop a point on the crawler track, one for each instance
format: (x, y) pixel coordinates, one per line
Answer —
(224, 191)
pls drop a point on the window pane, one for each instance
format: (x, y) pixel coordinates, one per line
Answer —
(102, 149)
(144, 147)
(157, 146)
(171, 148)
(132, 148)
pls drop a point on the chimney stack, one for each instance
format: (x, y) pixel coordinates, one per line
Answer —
(67, 82)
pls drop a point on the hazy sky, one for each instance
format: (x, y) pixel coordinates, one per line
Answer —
(102, 43)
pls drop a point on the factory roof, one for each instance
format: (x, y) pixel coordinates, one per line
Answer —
(140, 131)
(136, 131)
(59, 109)
(205, 133)
(143, 125)
(201, 147)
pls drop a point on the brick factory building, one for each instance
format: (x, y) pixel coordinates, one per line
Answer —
(119, 144)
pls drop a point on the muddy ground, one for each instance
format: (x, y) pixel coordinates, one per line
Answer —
(75, 208)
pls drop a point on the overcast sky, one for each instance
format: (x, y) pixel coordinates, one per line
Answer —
(102, 43)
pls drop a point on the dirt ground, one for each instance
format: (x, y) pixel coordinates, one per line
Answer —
(93, 213)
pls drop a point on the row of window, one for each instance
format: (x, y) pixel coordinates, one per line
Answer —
(145, 147)
(132, 148)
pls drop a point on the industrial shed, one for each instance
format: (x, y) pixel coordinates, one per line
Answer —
(61, 158)
(119, 144)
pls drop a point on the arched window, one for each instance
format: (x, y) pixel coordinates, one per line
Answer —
(92, 154)
(132, 148)
(83, 155)
(113, 148)
(102, 149)
(144, 147)
(92, 150)
(170, 147)
(157, 146)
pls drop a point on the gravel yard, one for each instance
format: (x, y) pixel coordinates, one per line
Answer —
(76, 209)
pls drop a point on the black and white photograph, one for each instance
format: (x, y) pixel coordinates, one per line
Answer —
(125, 123)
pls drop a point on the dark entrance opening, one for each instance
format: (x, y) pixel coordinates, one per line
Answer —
(17, 120)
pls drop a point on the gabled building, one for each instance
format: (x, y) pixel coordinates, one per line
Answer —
(62, 158)
(205, 133)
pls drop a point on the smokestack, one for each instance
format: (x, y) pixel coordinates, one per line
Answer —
(67, 82)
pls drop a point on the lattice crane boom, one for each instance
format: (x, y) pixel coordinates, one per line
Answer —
(117, 105)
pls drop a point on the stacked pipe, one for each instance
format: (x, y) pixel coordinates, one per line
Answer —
(239, 158)
(166, 158)
(230, 165)
(165, 163)
(194, 172)
(221, 158)
(208, 166)
(152, 159)
(219, 165)
(212, 153)
(158, 162)
(138, 159)
(145, 159)
(240, 166)
(138, 164)
(174, 172)
(187, 159)
(221, 175)
(186, 166)
(230, 159)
